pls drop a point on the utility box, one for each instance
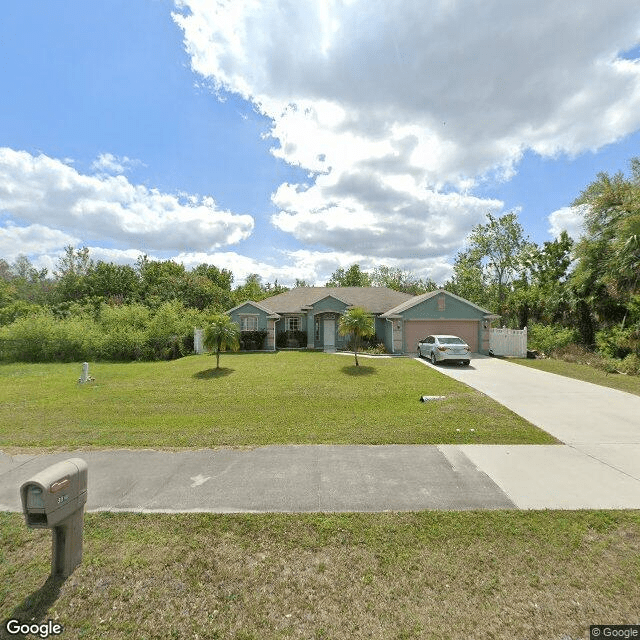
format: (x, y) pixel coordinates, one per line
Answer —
(54, 499)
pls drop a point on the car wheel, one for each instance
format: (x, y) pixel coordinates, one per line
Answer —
(433, 358)
(419, 353)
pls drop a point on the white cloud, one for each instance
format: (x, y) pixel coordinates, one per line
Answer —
(399, 108)
(108, 163)
(31, 240)
(44, 191)
(569, 219)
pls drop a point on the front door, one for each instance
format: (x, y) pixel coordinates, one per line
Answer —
(329, 334)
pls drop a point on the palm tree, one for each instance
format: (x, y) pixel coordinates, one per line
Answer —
(359, 323)
(221, 334)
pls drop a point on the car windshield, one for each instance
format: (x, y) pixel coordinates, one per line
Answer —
(451, 340)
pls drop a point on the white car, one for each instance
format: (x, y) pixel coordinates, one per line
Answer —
(441, 348)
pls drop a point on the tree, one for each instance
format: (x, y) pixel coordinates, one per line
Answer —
(220, 277)
(400, 280)
(117, 282)
(608, 271)
(71, 272)
(498, 246)
(359, 323)
(221, 334)
(352, 277)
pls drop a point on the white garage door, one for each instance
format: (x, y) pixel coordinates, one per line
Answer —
(416, 330)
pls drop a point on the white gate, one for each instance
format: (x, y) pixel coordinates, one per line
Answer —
(508, 342)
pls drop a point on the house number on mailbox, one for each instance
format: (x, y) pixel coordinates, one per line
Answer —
(62, 499)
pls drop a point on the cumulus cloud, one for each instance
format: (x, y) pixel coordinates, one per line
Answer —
(397, 109)
(569, 219)
(31, 239)
(44, 191)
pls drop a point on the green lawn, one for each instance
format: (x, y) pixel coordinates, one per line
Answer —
(630, 384)
(254, 399)
(386, 576)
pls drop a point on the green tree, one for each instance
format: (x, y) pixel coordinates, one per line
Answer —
(498, 247)
(469, 280)
(400, 280)
(70, 274)
(222, 278)
(221, 334)
(608, 271)
(115, 282)
(358, 323)
(352, 277)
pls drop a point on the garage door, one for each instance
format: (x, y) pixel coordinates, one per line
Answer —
(416, 330)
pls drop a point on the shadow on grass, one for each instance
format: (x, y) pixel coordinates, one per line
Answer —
(207, 374)
(358, 371)
(34, 608)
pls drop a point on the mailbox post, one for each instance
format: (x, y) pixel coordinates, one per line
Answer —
(54, 499)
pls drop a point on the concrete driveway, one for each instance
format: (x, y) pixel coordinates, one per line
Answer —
(599, 426)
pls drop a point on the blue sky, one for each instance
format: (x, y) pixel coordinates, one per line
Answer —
(289, 139)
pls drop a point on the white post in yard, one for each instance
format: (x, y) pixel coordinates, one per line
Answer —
(85, 372)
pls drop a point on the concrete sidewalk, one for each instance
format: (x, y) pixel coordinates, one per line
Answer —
(339, 478)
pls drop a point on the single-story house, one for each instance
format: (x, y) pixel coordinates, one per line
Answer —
(401, 319)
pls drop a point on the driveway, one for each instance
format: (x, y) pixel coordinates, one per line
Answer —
(599, 426)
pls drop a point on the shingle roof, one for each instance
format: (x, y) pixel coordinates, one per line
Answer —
(373, 299)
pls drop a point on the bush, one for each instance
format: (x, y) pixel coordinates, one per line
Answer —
(286, 338)
(550, 338)
(251, 340)
(377, 349)
(631, 365)
(615, 342)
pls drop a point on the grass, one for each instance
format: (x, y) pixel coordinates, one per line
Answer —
(446, 576)
(254, 399)
(630, 384)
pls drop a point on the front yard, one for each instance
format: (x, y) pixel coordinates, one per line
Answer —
(622, 382)
(254, 399)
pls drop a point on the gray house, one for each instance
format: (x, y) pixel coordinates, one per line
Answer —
(401, 320)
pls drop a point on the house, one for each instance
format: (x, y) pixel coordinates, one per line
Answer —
(401, 320)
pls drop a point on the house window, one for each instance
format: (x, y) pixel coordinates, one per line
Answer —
(292, 324)
(248, 323)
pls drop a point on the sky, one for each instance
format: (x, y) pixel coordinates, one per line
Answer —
(290, 138)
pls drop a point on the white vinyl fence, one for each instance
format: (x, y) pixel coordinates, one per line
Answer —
(508, 342)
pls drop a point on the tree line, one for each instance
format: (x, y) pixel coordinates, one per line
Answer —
(566, 291)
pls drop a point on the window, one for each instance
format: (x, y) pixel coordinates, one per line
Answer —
(248, 323)
(292, 324)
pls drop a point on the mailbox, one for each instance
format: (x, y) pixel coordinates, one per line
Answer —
(54, 499)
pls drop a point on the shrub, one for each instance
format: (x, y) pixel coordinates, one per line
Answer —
(614, 342)
(550, 338)
(283, 338)
(631, 365)
(250, 340)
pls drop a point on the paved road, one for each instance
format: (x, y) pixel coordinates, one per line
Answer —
(598, 467)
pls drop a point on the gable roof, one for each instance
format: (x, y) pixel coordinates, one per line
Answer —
(373, 299)
(254, 304)
(407, 304)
